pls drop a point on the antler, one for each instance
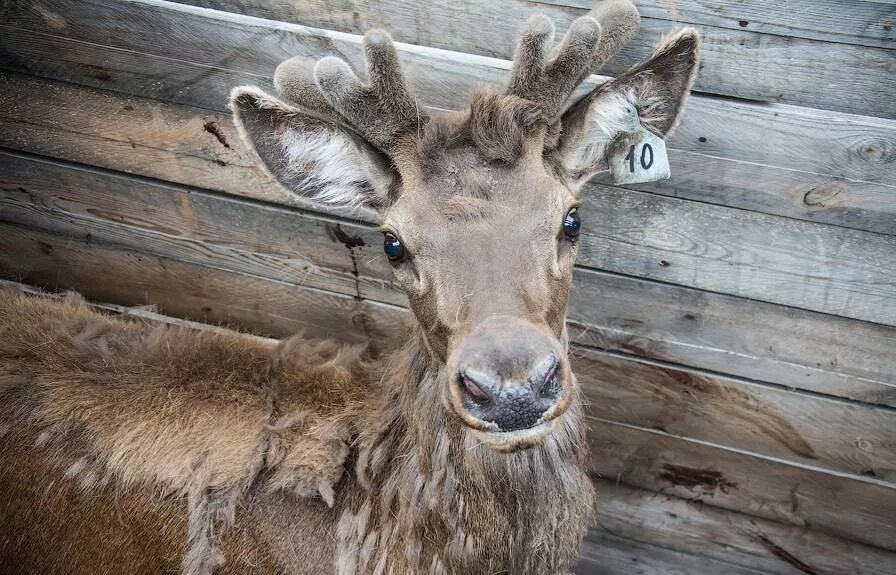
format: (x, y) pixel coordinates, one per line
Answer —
(549, 78)
(383, 110)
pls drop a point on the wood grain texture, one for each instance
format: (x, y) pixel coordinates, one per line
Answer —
(785, 424)
(194, 56)
(643, 532)
(845, 506)
(129, 277)
(736, 60)
(759, 341)
(171, 142)
(822, 268)
(865, 22)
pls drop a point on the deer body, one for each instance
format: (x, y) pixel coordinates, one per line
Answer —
(107, 410)
(138, 449)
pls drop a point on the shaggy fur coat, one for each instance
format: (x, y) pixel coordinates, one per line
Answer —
(137, 448)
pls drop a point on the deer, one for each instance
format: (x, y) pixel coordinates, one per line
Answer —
(135, 447)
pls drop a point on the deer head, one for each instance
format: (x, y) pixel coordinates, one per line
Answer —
(478, 208)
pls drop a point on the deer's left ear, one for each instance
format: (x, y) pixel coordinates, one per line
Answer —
(655, 89)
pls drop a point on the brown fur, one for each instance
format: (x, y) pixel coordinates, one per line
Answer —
(141, 449)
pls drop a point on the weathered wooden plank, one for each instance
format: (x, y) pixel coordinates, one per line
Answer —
(846, 506)
(759, 341)
(765, 487)
(194, 56)
(832, 434)
(173, 142)
(865, 22)
(197, 227)
(741, 61)
(822, 268)
(640, 531)
(204, 294)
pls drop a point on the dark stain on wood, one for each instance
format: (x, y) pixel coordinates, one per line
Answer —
(782, 554)
(351, 242)
(743, 23)
(348, 240)
(701, 139)
(213, 129)
(665, 263)
(705, 481)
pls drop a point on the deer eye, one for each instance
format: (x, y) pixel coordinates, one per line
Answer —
(393, 247)
(572, 223)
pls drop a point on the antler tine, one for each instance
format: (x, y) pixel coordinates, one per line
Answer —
(548, 80)
(591, 40)
(383, 111)
(620, 21)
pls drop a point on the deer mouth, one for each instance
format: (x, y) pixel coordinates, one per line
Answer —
(511, 441)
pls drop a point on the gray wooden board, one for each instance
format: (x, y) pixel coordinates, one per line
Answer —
(639, 531)
(801, 264)
(204, 294)
(740, 61)
(720, 333)
(173, 142)
(865, 22)
(830, 434)
(843, 505)
(194, 56)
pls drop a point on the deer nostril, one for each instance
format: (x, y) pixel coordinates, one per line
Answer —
(473, 389)
(545, 380)
(550, 385)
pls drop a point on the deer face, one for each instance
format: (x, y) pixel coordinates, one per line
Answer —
(478, 208)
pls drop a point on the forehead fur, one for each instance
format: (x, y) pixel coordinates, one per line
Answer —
(495, 127)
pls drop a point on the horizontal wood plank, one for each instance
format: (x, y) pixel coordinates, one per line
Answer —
(640, 532)
(174, 142)
(842, 506)
(822, 268)
(204, 294)
(195, 56)
(730, 478)
(832, 434)
(760, 341)
(737, 60)
(865, 22)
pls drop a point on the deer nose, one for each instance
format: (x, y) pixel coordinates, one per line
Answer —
(511, 405)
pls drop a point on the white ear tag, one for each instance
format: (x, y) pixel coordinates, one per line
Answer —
(638, 155)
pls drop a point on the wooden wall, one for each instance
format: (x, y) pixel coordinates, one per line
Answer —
(733, 326)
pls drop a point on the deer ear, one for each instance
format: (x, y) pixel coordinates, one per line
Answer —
(655, 89)
(310, 155)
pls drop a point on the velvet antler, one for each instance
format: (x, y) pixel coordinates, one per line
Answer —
(382, 110)
(548, 77)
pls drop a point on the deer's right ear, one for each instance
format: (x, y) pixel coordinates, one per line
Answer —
(312, 156)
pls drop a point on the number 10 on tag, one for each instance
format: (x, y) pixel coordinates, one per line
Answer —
(638, 157)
